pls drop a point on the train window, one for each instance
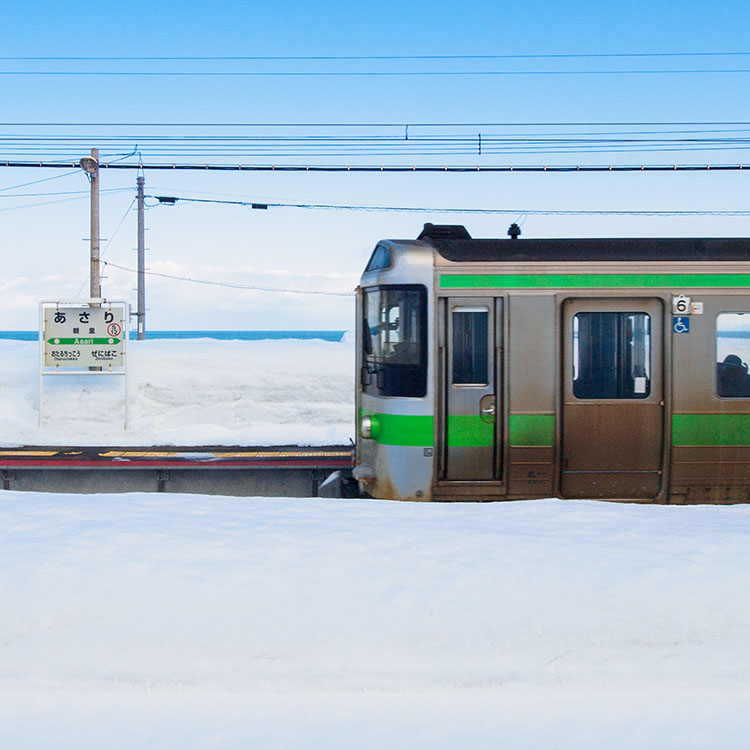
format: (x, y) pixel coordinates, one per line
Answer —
(470, 362)
(611, 355)
(733, 355)
(381, 258)
(394, 341)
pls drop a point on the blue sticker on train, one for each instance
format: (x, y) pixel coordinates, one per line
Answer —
(681, 324)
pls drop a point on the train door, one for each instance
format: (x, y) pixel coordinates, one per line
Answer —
(470, 345)
(613, 399)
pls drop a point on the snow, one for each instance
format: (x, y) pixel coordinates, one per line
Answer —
(187, 392)
(189, 621)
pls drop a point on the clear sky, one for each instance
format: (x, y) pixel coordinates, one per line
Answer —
(46, 257)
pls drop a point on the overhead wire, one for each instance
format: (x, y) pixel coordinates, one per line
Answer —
(393, 168)
(171, 200)
(526, 56)
(426, 142)
(36, 182)
(109, 241)
(64, 192)
(231, 284)
(401, 124)
(42, 203)
(363, 73)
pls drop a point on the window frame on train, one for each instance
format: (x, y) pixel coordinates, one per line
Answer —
(732, 377)
(381, 258)
(394, 345)
(626, 357)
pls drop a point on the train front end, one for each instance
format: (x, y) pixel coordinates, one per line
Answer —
(395, 393)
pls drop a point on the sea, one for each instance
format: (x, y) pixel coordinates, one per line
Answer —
(222, 335)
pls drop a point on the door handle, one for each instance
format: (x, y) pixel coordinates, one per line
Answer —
(487, 408)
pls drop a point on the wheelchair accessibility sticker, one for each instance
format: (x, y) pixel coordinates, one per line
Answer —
(681, 324)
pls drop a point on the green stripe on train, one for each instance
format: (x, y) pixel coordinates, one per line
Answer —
(593, 280)
(407, 429)
(535, 430)
(538, 430)
(532, 430)
(469, 431)
(710, 429)
(402, 429)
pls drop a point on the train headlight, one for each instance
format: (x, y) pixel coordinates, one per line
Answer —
(369, 427)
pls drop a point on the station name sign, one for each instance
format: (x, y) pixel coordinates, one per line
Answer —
(85, 336)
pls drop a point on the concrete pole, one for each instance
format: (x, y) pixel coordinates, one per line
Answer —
(141, 314)
(96, 286)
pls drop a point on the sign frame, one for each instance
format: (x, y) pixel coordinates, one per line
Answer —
(117, 351)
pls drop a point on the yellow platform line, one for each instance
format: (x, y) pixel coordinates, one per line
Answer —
(237, 454)
(28, 454)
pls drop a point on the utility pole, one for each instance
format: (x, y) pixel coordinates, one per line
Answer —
(90, 165)
(141, 313)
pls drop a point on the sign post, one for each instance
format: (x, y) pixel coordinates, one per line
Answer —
(83, 337)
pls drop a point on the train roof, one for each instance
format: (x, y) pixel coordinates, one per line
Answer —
(454, 243)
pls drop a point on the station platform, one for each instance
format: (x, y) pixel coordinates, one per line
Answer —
(288, 470)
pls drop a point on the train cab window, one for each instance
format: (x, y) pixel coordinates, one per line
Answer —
(381, 258)
(394, 341)
(470, 361)
(611, 355)
(732, 355)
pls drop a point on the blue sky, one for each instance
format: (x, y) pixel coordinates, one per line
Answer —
(46, 257)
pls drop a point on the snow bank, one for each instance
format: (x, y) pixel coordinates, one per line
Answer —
(187, 392)
(189, 621)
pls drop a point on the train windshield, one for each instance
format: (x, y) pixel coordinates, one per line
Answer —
(394, 333)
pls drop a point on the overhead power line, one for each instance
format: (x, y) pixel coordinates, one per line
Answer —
(317, 142)
(513, 124)
(231, 284)
(171, 200)
(389, 168)
(527, 56)
(11, 196)
(364, 73)
(109, 242)
(36, 182)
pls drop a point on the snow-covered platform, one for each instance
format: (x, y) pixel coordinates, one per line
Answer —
(188, 392)
(288, 471)
(225, 417)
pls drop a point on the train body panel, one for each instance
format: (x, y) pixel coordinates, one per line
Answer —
(509, 369)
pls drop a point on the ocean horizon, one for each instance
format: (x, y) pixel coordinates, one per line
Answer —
(222, 335)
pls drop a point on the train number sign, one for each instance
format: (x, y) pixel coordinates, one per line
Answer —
(680, 305)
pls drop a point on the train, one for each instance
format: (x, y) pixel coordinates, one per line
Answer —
(509, 369)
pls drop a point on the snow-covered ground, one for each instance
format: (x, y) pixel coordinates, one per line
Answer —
(141, 621)
(187, 392)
